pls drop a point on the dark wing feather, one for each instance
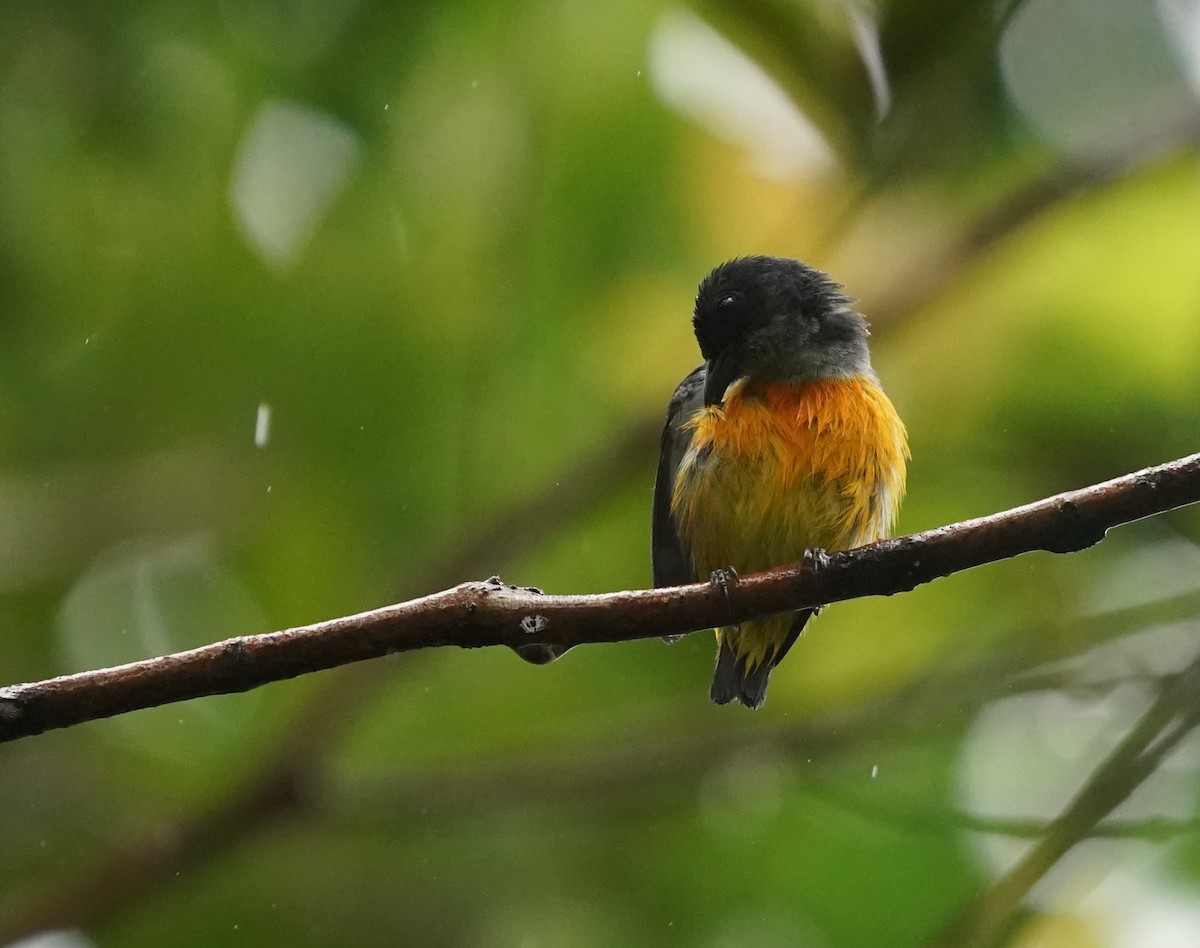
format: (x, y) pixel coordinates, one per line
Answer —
(802, 616)
(670, 556)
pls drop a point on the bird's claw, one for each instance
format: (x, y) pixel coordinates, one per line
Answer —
(722, 579)
(814, 557)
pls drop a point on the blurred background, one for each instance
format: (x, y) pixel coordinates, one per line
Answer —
(306, 308)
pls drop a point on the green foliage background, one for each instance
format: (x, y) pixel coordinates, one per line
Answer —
(485, 321)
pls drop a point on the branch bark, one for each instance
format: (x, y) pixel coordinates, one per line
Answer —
(478, 614)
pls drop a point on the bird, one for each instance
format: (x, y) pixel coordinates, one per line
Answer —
(781, 442)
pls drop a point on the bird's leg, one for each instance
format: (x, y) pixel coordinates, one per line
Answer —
(722, 579)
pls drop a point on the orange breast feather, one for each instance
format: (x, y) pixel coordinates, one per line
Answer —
(782, 467)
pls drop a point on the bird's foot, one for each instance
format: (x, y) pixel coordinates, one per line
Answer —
(814, 557)
(722, 579)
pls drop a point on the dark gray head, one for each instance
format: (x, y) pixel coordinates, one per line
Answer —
(774, 319)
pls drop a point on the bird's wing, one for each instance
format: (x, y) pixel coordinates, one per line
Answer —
(671, 558)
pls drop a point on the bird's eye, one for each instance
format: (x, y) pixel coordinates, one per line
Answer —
(726, 302)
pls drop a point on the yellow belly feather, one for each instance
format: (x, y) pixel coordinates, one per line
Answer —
(784, 467)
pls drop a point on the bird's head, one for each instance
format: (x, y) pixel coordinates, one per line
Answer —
(774, 319)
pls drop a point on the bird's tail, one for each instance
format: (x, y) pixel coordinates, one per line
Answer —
(737, 677)
(733, 680)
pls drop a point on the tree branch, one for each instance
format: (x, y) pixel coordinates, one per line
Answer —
(478, 614)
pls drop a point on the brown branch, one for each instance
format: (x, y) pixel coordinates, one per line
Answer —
(478, 614)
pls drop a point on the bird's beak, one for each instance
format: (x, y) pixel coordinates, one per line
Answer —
(719, 374)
